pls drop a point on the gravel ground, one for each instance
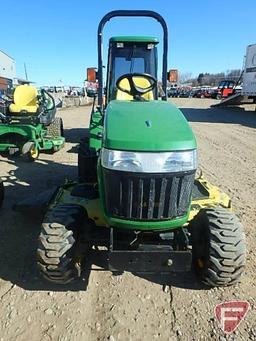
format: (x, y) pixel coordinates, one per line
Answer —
(126, 307)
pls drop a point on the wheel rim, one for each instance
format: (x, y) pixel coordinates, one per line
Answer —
(34, 152)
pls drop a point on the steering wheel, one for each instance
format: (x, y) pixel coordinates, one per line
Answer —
(135, 90)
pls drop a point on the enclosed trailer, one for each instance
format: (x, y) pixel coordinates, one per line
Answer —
(249, 76)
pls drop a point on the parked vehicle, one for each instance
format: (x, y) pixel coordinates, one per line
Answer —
(184, 94)
(91, 92)
(202, 93)
(28, 125)
(172, 92)
(226, 88)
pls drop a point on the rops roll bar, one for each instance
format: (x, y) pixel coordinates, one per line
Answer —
(131, 13)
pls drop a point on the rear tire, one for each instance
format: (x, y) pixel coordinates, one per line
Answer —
(1, 193)
(87, 162)
(219, 248)
(55, 129)
(58, 256)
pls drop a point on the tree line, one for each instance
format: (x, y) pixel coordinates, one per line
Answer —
(211, 79)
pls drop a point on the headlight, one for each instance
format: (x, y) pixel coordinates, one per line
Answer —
(148, 162)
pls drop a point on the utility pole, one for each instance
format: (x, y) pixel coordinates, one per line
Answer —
(25, 68)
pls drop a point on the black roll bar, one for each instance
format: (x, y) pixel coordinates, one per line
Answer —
(131, 13)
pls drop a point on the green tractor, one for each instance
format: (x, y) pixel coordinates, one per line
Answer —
(28, 125)
(137, 201)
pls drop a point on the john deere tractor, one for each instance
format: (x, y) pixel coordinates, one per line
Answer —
(28, 125)
(137, 201)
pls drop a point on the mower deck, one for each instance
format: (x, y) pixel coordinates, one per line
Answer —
(131, 250)
(204, 195)
(13, 137)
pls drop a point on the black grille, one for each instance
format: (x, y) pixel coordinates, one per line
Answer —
(146, 196)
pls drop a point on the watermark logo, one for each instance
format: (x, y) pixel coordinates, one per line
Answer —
(230, 314)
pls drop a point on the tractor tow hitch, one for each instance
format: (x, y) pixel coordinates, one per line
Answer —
(147, 258)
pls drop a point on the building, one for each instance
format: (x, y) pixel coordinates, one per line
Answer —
(7, 71)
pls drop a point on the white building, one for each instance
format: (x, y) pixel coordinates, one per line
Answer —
(7, 66)
(7, 71)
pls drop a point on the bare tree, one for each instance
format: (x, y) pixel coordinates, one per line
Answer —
(185, 77)
(233, 74)
(211, 79)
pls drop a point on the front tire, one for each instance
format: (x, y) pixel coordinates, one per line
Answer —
(58, 256)
(219, 248)
(30, 152)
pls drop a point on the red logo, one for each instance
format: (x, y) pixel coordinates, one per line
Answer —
(230, 314)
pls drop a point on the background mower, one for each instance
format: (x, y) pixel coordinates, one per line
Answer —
(138, 201)
(28, 125)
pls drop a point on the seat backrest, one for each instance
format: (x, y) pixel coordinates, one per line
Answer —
(25, 100)
(25, 95)
(139, 81)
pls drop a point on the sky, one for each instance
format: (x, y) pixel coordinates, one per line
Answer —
(58, 39)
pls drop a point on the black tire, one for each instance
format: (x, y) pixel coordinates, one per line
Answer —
(30, 152)
(58, 244)
(1, 193)
(87, 162)
(55, 129)
(219, 247)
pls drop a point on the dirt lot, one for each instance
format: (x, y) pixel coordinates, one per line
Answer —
(126, 307)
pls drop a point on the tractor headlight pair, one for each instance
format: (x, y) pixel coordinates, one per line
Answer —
(149, 162)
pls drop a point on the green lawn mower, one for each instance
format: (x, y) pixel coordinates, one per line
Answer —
(137, 201)
(28, 125)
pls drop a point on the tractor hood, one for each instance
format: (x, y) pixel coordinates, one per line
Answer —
(146, 126)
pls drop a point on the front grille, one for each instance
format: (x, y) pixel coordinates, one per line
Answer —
(138, 196)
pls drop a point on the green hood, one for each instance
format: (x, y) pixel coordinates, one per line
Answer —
(146, 126)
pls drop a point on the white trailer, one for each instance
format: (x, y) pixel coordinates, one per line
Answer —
(249, 75)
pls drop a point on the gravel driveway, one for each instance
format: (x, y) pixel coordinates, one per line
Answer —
(126, 307)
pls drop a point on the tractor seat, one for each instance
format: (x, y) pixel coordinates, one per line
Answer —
(139, 81)
(25, 100)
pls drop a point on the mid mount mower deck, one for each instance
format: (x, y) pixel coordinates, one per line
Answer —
(138, 200)
(28, 125)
